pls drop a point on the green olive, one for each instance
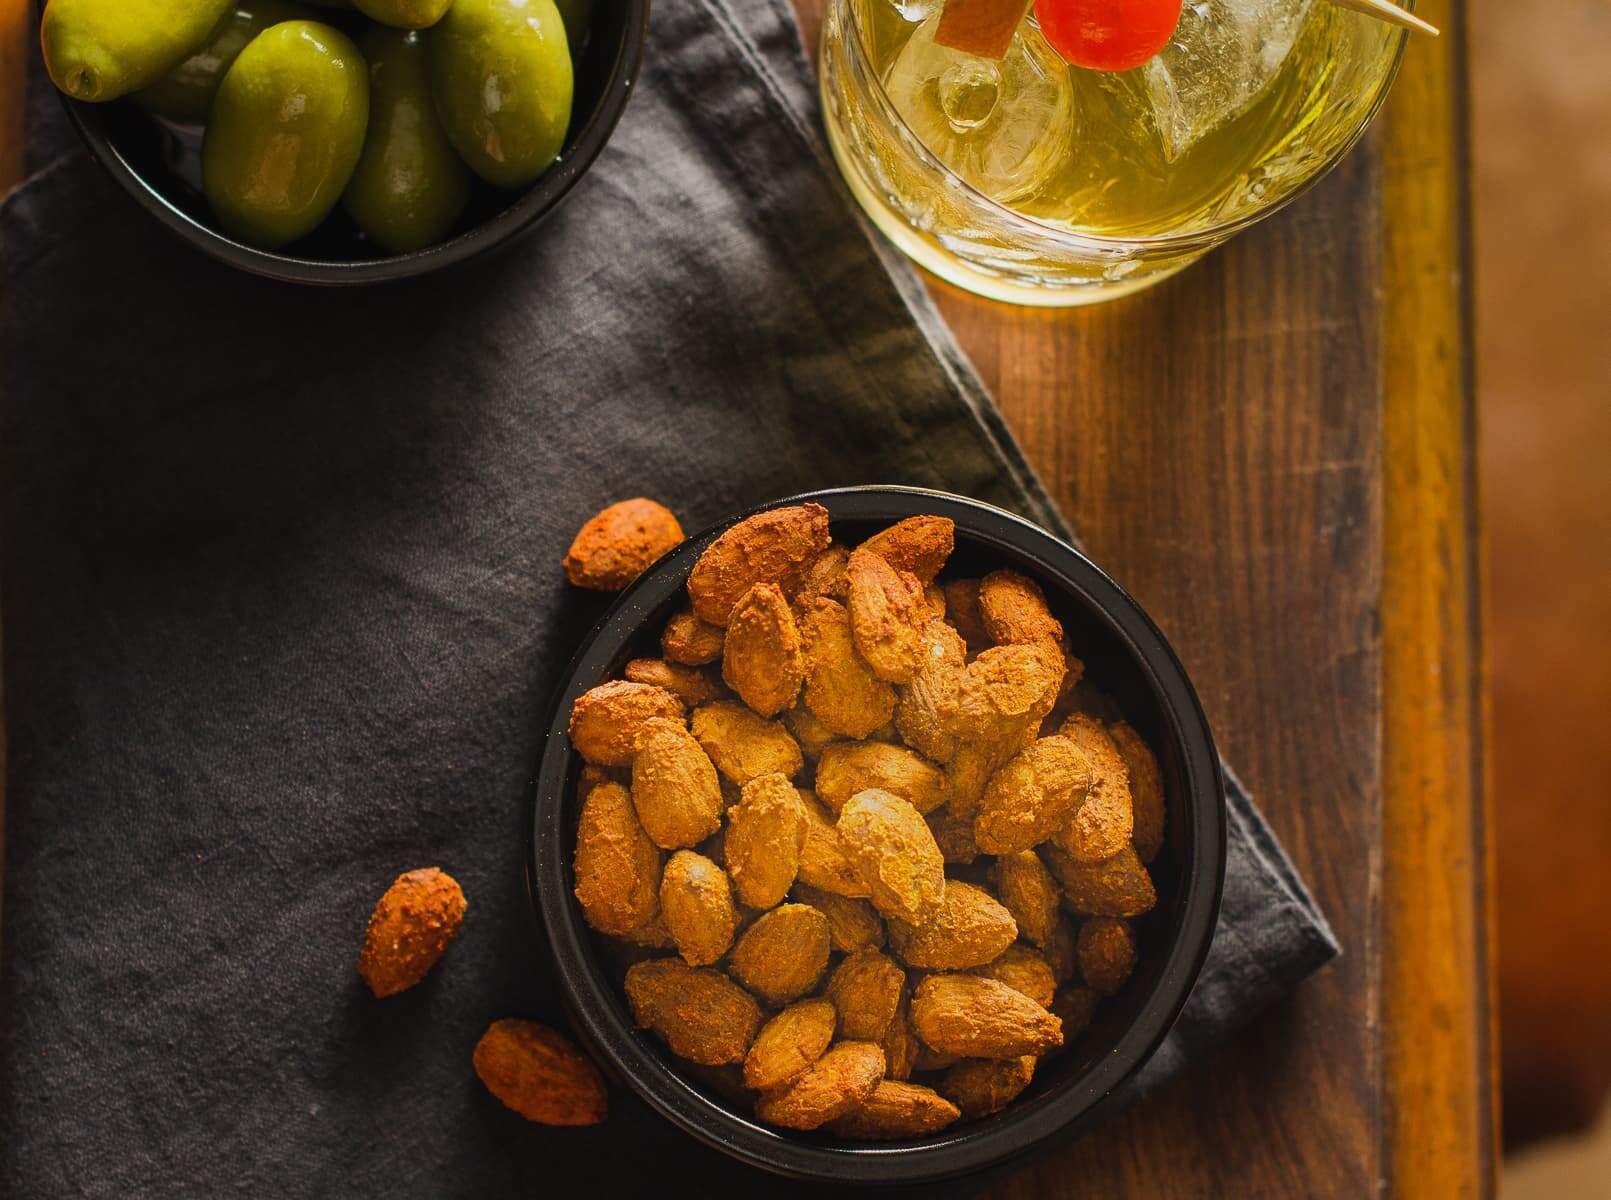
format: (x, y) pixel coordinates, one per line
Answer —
(404, 14)
(186, 92)
(501, 73)
(103, 49)
(285, 133)
(410, 186)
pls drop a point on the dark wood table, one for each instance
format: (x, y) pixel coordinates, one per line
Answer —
(1274, 452)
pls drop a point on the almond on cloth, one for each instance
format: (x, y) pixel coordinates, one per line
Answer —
(540, 1074)
(830, 1087)
(412, 925)
(770, 547)
(974, 1017)
(699, 1013)
(762, 659)
(620, 543)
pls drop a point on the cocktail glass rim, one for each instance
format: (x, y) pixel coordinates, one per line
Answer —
(1185, 239)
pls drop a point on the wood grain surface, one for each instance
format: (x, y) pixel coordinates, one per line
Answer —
(1217, 442)
(1438, 1014)
(1272, 452)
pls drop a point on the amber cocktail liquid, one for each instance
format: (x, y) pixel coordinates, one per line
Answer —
(1038, 182)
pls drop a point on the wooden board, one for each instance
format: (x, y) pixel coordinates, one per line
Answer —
(1217, 441)
(1439, 1011)
(1272, 451)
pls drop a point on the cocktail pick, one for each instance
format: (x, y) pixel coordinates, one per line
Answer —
(1386, 10)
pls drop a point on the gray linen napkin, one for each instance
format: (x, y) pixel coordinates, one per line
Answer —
(282, 615)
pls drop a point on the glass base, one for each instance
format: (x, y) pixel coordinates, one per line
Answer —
(1095, 289)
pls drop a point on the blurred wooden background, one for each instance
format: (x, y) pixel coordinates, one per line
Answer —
(1541, 137)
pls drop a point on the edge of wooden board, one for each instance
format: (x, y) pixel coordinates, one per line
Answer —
(1439, 1023)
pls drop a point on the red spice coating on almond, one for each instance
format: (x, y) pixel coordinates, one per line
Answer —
(538, 1073)
(771, 547)
(620, 543)
(411, 927)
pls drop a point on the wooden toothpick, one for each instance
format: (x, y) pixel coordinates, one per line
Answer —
(1385, 10)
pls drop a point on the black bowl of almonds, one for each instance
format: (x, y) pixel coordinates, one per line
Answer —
(879, 835)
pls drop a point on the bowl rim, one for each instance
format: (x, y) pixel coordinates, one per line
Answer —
(598, 1010)
(542, 198)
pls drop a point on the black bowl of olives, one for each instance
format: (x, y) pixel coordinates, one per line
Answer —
(345, 141)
